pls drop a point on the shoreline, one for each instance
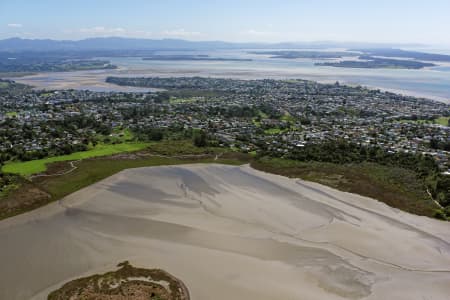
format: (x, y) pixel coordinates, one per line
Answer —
(71, 200)
(95, 79)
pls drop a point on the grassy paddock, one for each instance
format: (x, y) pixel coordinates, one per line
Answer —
(442, 121)
(275, 131)
(11, 113)
(37, 166)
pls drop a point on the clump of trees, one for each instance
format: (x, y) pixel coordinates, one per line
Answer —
(439, 144)
(6, 180)
(200, 138)
(82, 128)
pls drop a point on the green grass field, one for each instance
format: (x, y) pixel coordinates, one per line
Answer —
(37, 166)
(274, 131)
(11, 114)
(442, 121)
(174, 100)
(279, 130)
(287, 117)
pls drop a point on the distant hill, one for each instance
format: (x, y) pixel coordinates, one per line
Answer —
(113, 43)
(119, 43)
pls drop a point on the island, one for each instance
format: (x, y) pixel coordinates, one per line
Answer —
(15, 65)
(304, 54)
(193, 57)
(364, 58)
(53, 61)
(127, 282)
(399, 53)
(369, 62)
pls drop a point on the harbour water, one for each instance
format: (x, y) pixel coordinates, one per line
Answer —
(431, 82)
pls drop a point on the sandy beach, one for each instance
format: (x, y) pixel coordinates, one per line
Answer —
(228, 233)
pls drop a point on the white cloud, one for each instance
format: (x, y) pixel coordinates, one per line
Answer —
(141, 33)
(258, 34)
(14, 25)
(181, 32)
(101, 30)
(268, 35)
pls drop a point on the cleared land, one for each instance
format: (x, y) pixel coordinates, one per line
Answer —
(228, 232)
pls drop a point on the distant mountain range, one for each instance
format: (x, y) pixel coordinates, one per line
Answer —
(119, 43)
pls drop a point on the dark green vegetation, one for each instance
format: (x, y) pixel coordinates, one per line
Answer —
(407, 181)
(127, 282)
(192, 58)
(370, 62)
(48, 62)
(8, 183)
(304, 54)
(397, 187)
(10, 87)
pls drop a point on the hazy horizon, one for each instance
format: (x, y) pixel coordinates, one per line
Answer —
(266, 21)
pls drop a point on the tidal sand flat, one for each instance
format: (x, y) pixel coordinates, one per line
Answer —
(228, 233)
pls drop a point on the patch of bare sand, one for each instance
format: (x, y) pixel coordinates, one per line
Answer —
(228, 232)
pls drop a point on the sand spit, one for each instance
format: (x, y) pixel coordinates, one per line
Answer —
(228, 233)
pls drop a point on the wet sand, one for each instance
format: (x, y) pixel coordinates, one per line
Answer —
(93, 80)
(228, 233)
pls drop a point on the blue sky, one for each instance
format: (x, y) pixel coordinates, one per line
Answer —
(416, 21)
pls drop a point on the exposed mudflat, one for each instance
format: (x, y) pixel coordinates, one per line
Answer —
(228, 233)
